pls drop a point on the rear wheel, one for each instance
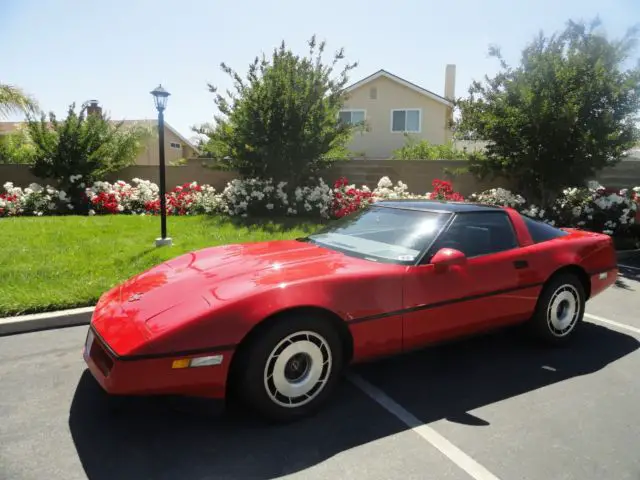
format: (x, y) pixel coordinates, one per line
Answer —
(560, 309)
(292, 368)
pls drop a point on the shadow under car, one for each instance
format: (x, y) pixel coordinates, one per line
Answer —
(188, 438)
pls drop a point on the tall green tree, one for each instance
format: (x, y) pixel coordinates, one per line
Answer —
(13, 99)
(16, 147)
(82, 148)
(564, 113)
(282, 120)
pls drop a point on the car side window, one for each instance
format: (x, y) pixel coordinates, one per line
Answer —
(541, 232)
(479, 233)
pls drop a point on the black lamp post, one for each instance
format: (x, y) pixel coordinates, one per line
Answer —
(160, 97)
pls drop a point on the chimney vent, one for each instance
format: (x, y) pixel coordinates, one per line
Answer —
(450, 82)
(94, 108)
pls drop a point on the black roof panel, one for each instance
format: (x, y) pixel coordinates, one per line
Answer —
(437, 206)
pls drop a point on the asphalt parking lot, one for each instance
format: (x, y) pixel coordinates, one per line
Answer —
(490, 407)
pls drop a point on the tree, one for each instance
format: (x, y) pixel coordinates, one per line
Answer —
(415, 149)
(282, 121)
(14, 100)
(82, 149)
(16, 147)
(567, 111)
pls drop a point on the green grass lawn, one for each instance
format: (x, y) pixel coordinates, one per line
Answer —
(51, 263)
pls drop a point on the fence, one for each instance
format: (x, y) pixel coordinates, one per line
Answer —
(418, 175)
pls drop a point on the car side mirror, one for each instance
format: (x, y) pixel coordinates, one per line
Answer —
(448, 257)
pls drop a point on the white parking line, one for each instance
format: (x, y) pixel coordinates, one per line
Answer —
(606, 321)
(453, 453)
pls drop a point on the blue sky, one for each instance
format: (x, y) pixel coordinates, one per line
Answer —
(117, 51)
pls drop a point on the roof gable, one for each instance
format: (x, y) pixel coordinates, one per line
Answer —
(154, 124)
(9, 127)
(401, 81)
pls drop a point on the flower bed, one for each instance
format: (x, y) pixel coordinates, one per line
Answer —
(34, 200)
(592, 208)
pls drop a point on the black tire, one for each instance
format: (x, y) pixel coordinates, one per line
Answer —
(258, 393)
(562, 296)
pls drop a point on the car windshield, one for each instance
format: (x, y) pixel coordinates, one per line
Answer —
(382, 234)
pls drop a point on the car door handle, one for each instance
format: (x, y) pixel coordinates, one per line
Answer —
(519, 264)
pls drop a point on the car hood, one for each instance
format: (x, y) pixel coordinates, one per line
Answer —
(192, 284)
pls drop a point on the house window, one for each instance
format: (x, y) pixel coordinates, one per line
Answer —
(406, 120)
(175, 145)
(352, 117)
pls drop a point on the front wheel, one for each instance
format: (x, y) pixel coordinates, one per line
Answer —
(560, 309)
(292, 368)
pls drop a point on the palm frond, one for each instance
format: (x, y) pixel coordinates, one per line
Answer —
(15, 100)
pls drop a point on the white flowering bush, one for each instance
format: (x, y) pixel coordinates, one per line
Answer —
(591, 208)
(205, 200)
(33, 200)
(596, 208)
(258, 197)
(539, 213)
(385, 190)
(138, 196)
(499, 196)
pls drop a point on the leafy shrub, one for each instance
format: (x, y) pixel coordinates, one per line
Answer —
(282, 122)
(592, 208)
(81, 149)
(425, 150)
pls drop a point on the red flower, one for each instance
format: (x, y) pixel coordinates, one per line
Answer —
(443, 190)
(346, 201)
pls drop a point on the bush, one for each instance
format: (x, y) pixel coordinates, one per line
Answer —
(282, 121)
(425, 150)
(142, 198)
(265, 197)
(81, 149)
(596, 209)
(564, 112)
(33, 200)
(591, 208)
(348, 199)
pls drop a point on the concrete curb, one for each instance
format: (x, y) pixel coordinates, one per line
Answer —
(45, 321)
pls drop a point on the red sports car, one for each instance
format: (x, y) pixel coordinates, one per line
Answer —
(276, 322)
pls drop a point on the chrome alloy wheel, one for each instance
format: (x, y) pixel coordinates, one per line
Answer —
(563, 310)
(297, 369)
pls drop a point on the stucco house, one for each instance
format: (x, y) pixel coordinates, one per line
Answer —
(391, 106)
(176, 146)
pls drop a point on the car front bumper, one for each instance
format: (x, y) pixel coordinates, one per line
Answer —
(153, 375)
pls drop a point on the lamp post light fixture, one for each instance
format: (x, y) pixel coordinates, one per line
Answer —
(160, 97)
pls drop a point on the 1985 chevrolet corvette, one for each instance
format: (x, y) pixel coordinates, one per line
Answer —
(276, 322)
